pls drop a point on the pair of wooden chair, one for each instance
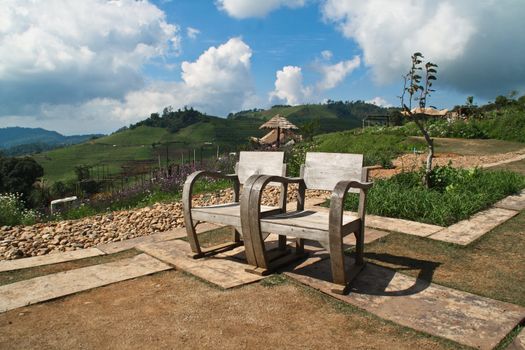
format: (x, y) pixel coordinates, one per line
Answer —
(336, 172)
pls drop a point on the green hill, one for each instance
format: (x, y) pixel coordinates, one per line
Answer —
(181, 134)
(332, 116)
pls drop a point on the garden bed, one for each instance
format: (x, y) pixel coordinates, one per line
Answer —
(456, 194)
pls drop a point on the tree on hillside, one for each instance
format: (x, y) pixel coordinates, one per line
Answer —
(17, 175)
(417, 89)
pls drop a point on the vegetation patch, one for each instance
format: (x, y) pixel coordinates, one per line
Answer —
(378, 145)
(505, 124)
(455, 194)
(13, 211)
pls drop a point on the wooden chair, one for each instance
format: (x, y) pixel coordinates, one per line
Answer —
(250, 163)
(322, 171)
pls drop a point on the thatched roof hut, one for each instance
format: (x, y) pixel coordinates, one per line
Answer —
(278, 122)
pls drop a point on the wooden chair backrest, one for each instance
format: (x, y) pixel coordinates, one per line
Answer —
(264, 163)
(322, 171)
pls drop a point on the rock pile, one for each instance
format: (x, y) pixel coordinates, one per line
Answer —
(43, 238)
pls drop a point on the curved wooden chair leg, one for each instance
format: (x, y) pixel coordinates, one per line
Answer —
(337, 259)
(192, 237)
(359, 246)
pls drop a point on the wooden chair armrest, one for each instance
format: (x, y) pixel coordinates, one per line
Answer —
(187, 190)
(253, 189)
(338, 197)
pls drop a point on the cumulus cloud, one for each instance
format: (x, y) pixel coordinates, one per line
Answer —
(192, 32)
(326, 54)
(249, 8)
(335, 73)
(379, 101)
(58, 51)
(218, 82)
(289, 87)
(477, 43)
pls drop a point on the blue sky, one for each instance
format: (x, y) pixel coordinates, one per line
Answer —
(96, 65)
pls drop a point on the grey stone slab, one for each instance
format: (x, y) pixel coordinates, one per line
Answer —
(467, 231)
(57, 285)
(505, 161)
(516, 202)
(459, 316)
(53, 258)
(519, 341)
(403, 226)
(371, 235)
(226, 272)
(115, 247)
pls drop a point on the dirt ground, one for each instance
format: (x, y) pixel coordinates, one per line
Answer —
(172, 310)
(413, 162)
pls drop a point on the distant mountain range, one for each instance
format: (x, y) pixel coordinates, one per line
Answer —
(17, 140)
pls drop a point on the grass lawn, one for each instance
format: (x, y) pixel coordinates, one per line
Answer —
(474, 147)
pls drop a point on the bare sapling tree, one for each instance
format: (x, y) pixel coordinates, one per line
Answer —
(417, 89)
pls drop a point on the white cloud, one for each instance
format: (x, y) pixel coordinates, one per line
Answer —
(218, 82)
(255, 8)
(477, 44)
(379, 101)
(289, 86)
(59, 51)
(192, 32)
(326, 55)
(336, 73)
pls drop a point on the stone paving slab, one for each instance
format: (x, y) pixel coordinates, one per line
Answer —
(53, 258)
(467, 231)
(115, 247)
(371, 235)
(519, 342)
(516, 202)
(223, 271)
(505, 161)
(459, 316)
(60, 284)
(401, 225)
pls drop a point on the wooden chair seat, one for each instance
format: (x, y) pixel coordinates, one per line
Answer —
(224, 214)
(307, 224)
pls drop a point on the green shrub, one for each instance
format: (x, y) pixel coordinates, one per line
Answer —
(508, 124)
(13, 212)
(456, 194)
